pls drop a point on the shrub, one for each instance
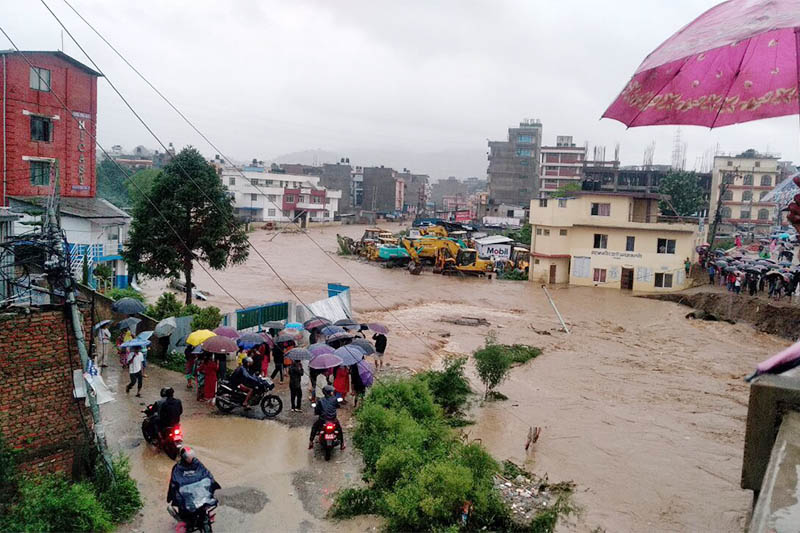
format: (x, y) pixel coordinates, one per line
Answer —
(521, 353)
(450, 388)
(119, 494)
(492, 363)
(206, 318)
(167, 305)
(352, 502)
(8, 473)
(173, 361)
(118, 294)
(50, 503)
(514, 275)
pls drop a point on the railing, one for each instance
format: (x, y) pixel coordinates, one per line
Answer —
(663, 219)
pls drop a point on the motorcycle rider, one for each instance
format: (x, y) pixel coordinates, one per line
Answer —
(189, 472)
(326, 411)
(170, 410)
(245, 381)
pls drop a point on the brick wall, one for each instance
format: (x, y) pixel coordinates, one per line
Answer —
(38, 413)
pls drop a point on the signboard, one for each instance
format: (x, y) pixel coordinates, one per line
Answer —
(501, 252)
(463, 216)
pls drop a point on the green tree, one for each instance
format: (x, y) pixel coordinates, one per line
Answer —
(565, 190)
(207, 318)
(167, 305)
(190, 195)
(492, 362)
(686, 195)
(141, 183)
(111, 183)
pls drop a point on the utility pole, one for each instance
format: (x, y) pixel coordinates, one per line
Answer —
(52, 229)
(723, 188)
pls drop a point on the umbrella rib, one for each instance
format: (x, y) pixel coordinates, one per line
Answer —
(733, 80)
(629, 125)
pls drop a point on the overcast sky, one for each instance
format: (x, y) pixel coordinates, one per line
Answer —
(262, 78)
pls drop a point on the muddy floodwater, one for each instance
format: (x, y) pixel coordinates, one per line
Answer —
(641, 408)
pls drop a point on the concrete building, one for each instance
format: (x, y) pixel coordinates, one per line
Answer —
(357, 184)
(265, 196)
(384, 191)
(561, 164)
(452, 186)
(513, 172)
(615, 240)
(416, 193)
(746, 179)
(339, 177)
(300, 169)
(40, 140)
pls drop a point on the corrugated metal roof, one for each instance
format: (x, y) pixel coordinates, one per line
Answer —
(56, 53)
(494, 239)
(78, 207)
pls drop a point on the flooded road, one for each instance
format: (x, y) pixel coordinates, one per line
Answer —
(643, 409)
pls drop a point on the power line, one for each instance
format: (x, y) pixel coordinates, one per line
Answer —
(222, 155)
(127, 176)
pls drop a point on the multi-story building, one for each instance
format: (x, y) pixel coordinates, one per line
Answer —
(260, 195)
(416, 193)
(513, 172)
(615, 240)
(452, 186)
(561, 164)
(50, 123)
(357, 186)
(339, 177)
(300, 169)
(745, 180)
(384, 191)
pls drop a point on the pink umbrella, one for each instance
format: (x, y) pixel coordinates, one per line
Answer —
(366, 372)
(320, 348)
(219, 344)
(226, 331)
(736, 62)
(326, 360)
(780, 362)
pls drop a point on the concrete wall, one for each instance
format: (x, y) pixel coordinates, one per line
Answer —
(380, 189)
(338, 177)
(539, 271)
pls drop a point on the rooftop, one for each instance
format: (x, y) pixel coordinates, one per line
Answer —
(77, 207)
(56, 53)
(628, 194)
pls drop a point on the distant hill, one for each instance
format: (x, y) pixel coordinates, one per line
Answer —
(438, 165)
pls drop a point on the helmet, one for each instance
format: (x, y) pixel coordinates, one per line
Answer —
(248, 361)
(187, 455)
(327, 390)
(163, 393)
(169, 392)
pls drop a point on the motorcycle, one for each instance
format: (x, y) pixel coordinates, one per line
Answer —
(170, 441)
(229, 397)
(199, 520)
(328, 437)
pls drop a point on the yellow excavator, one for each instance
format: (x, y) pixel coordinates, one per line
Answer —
(520, 258)
(414, 264)
(464, 262)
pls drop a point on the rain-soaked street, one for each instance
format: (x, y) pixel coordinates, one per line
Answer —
(643, 409)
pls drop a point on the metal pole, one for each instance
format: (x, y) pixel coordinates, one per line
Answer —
(5, 169)
(563, 324)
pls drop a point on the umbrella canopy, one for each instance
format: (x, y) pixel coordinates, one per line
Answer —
(219, 344)
(316, 322)
(199, 337)
(378, 328)
(273, 324)
(145, 335)
(780, 362)
(166, 327)
(366, 372)
(129, 323)
(326, 360)
(735, 63)
(101, 324)
(128, 306)
(785, 263)
(281, 339)
(226, 331)
(294, 325)
(338, 337)
(345, 322)
(365, 345)
(296, 334)
(133, 343)
(349, 354)
(252, 339)
(299, 354)
(320, 348)
(330, 330)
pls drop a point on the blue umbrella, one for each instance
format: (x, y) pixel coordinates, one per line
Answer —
(145, 335)
(133, 343)
(349, 354)
(294, 325)
(330, 330)
(101, 324)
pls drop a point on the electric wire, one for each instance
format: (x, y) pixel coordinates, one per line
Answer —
(235, 167)
(127, 176)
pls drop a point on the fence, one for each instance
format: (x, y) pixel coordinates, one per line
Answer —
(254, 317)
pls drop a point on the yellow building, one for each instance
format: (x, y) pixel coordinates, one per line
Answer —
(611, 240)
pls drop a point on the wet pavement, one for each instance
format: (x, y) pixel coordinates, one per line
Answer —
(641, 408)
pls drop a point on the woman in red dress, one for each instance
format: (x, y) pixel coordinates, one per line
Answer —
(209, 367)
(341, 382)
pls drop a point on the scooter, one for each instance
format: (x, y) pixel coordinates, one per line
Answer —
(328, 437)
(200, 520)
(229, 397)
(171, 441)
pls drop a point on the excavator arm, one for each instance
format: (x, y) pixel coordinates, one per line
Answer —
(415, 265)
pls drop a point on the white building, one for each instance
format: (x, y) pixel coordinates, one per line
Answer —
(264, 196)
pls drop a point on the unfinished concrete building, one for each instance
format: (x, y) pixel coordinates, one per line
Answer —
(514, 165)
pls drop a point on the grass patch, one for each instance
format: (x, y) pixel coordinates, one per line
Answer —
(514, 275)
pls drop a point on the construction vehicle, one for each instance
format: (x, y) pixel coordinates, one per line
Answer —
(464, 262)
(433, 231)
(414, 263)
(378, 235)
(520, 258)
(427, 247)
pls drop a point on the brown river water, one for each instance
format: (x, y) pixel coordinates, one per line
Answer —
(641, 408)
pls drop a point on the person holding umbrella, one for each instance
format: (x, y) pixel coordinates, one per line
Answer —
(277, 358)
(103, 344)
(380, 349)
(134, 363)
(209, 367)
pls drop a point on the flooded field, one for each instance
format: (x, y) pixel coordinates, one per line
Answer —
(643, 409)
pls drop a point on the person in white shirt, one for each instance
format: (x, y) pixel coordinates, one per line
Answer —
(135, 359)
(103, 344)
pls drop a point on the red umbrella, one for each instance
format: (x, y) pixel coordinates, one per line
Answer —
(219, 344)
(736, 62)
(226, 331)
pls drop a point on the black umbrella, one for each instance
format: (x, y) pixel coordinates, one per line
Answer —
(129, 323)
(346, 322)
(338, 337)
(280, 339)
(128, 306)
(299, 354)
(365, 345)
(273, 324)
(315, 322)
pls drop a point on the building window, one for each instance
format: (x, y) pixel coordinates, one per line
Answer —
(523, 162)
(725, 212)
(289, 198)
(630, 242)
(666, 246)
(535, 261)
(758, 163)
(523, 152)
(40, 79)
(231, 181)
(599, 275)
(40, 173)
(730, 163)
(728, 196)
(727, 178)
(271, 212)
(763, 214)
(747, 196)
(253, 197)
(272, 197)
(602, 210)
(745, 214)
(748, 179)
(562, 232)
(542, 202)
(600, 241)
(766, 181)
(562, 202)
(663, 280)
(762, 195)
(524, 139)
(41, 129)
(538, 231)
(547, 233)
(287, 214)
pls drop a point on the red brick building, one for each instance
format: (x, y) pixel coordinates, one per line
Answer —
(39, 137)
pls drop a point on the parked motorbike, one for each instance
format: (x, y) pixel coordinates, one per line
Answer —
(170, 441)
(230, 397)
(200, 520)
